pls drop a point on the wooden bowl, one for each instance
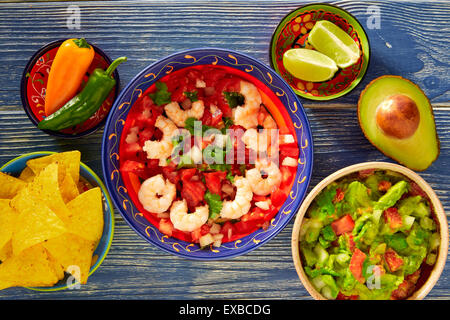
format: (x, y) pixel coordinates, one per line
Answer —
(438, 267)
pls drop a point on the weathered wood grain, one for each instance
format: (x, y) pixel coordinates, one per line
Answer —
(413, 42)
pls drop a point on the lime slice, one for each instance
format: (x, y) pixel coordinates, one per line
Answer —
(334, 42)
(309, 65)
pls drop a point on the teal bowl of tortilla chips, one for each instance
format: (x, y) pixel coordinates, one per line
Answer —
(66, 221)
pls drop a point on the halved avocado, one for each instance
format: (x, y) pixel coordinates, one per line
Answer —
(397, 118)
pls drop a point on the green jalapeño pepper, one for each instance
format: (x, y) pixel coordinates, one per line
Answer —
(86, 103)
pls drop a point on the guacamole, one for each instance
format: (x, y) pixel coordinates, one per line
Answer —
(369, 235)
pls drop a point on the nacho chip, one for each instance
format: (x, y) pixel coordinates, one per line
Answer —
(34, 223)
(45, 187)
(56, 266)
(6, 251)
(86, 215)
(70, 162)
(73, 253)
(30, 268)
(7, 216)
(27, 175)
(9, 186)
(69, 189)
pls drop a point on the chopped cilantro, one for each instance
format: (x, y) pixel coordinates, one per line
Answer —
(189, 124)
(214, 204)
(234, 99)
(191, 95)
(161, 96)
(230, 177)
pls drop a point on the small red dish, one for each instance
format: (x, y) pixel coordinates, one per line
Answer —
(34, 83)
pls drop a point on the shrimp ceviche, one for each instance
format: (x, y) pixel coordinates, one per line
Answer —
(203, 155)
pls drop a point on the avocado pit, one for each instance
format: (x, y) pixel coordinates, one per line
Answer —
(398, 116)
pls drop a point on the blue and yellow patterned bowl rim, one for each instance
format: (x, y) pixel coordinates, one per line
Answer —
(16, 165)
(116, 120)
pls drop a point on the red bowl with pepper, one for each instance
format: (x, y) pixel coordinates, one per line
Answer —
(34, 83)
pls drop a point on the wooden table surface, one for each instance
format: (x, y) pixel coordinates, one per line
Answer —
(413, 41)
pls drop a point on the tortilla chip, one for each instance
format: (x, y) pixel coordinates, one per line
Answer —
(30, 268)
(45, 187)
(73, 253)
(70, 162)
(69, 189)
(9, 186)
(86, 215)
(34, 223)
(27, 175)
(56, 266)
(6, 251)
(7, 216)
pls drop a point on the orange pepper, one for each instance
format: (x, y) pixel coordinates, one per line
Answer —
(71, 63)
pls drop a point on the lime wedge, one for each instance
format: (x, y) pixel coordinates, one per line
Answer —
(309, 65)
(334, 42)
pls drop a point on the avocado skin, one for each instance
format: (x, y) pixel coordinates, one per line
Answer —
(424, 108)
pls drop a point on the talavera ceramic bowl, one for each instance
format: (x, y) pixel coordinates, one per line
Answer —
(292, 113)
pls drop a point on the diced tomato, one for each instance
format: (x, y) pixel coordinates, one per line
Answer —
(171, 174)
(147, 113)
(384, 185)
(393, 260)
(393, 218)
(339, 195)
(245, 227)
(131, 150)
(187, 174)
(342, 296)
(145, 135)
(278, 197)
(193, 190)
(343, 225)
(227, 231)
(356, 264)
(255, 215)
(214, 180)
(166, 227)
(207, 117)
(289, 150)
(365, 173)
(138, 168)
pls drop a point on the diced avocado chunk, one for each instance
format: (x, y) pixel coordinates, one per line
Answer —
(309, 255)
(390, 198)
(321, 253)
(331, 289)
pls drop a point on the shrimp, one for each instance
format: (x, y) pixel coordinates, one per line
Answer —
(257, 141)
(242, 201)
(179, 116)
(265, 119)
(156, 194)
(184, 221)
(247, 114)
(162, 149)
(264, 186)
(261, 140)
